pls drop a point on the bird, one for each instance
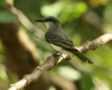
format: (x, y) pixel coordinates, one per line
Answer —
(56, 36)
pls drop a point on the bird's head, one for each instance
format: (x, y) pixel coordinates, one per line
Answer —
(49, 21)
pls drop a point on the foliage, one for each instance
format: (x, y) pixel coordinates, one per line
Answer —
(2, 2)
(7, 17)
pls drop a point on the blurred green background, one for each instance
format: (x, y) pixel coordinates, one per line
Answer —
(83, 20)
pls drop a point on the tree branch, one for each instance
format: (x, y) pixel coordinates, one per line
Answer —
(57, 58)
(27, 24)
(92, 45)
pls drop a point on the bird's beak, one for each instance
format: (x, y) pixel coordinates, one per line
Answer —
(44, 21)
(39, 20)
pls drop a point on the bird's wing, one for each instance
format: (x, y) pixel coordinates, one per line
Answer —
(64, 43)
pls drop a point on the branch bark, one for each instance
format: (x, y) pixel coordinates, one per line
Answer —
(57, 58)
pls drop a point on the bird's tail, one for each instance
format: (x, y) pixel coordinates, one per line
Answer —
(82, 57)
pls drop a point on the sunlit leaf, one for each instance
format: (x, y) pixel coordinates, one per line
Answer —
(66, 11)
(53, 9)
(69, 73)
(72, 11)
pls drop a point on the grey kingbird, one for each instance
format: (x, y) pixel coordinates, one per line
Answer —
(56, 36)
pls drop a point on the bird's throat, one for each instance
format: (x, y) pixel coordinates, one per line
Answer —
(50, 25)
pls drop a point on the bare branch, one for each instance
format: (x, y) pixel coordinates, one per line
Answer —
(92, 45)
(49, 64)
(58, 57)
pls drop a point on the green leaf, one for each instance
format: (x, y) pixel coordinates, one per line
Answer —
(86, 83)
(2, 2)
(54, 9)
(7, 17)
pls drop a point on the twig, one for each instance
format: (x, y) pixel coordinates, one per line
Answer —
(26, 22)
(92, 45)
(56, 58)
(48, 65)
